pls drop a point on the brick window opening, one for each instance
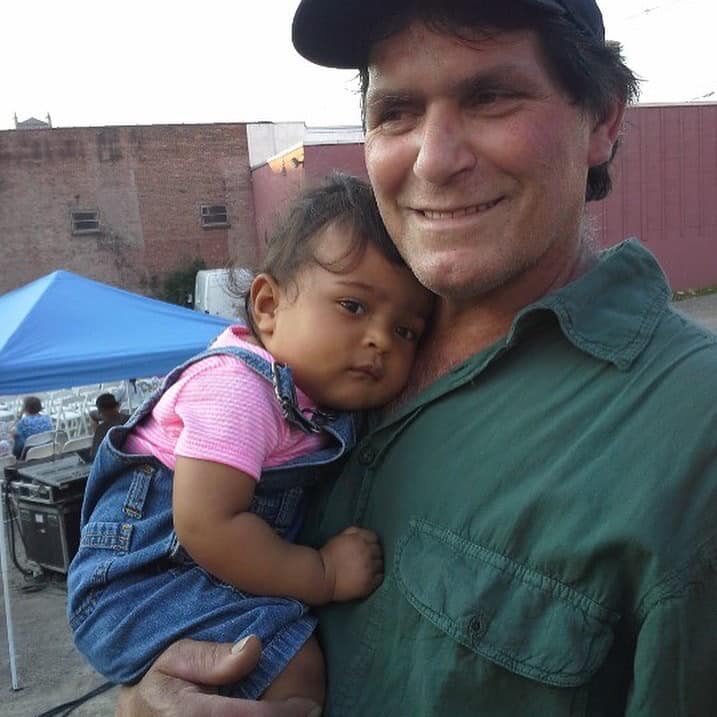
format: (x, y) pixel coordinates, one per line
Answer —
(214, 215)
(85, 222)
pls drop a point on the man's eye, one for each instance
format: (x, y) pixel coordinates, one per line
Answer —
(494, 100)
(392, 115)
(487, 97)
(405, 333)
(353, 307)
(391, 118)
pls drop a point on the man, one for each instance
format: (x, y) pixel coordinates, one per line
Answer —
(546, 495)
(108, 414)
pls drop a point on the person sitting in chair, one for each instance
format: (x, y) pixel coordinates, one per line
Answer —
(108, 415)
(31, 422)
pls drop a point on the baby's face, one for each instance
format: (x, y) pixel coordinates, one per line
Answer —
(350, 338)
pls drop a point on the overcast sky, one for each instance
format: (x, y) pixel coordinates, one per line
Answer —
(91, 63)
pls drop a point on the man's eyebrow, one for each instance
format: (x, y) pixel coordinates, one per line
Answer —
(376, 99)
(504, 75)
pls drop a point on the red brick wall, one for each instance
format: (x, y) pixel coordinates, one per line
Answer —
(147, 182)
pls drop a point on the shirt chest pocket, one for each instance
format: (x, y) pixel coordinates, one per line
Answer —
(526, 622)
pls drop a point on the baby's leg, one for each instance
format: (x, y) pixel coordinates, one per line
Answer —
(303, 677)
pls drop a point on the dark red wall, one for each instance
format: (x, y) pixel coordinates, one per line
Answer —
(273, 186)
(665, 190)
(320, 160)
(280, 179)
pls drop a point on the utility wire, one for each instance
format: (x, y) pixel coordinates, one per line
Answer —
(67, 707)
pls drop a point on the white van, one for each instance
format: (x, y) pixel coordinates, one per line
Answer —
(213, 296)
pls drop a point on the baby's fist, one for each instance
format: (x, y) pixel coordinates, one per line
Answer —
(353, 561)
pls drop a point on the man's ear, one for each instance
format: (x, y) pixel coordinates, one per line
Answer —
(264, 295)
(604, 135)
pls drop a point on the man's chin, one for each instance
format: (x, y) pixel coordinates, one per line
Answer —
(460, 281)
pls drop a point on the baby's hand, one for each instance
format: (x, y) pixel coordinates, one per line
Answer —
(353, 562)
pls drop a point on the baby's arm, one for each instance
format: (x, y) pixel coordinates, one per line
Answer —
(210, 505)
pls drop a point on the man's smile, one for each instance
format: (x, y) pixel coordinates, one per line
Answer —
(457, 212)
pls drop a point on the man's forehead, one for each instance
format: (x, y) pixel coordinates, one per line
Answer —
(467, 55)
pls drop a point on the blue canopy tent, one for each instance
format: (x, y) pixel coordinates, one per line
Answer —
(65, 330)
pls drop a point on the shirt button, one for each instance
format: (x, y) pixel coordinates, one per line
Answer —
(367, 455)
(476, 627)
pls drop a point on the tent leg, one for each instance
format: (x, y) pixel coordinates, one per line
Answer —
(6, 590)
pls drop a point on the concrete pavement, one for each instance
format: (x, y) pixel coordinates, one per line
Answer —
(701, 308)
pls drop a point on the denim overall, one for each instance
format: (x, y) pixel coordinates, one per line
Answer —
(133, 590)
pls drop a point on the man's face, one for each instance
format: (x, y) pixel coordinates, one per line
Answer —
(478, 160)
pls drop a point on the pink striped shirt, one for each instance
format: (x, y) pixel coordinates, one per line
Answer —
(220, 410)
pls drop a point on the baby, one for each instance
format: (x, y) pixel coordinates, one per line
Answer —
(192, 507)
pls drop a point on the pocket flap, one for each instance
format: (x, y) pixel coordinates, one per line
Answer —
(107, 536)
(527, 622)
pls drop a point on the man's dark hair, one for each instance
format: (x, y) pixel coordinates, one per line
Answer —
(592, 73)
(106, 402)
(32, 405)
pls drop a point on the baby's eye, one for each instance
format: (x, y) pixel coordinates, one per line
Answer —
(405, 333)
(353, 307)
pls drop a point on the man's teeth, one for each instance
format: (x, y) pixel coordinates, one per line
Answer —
(458, 213)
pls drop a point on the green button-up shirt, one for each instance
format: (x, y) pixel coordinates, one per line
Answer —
(548, 514)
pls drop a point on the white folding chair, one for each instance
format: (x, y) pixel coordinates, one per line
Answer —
(60, 439)
(77, 444)
(38, 439)
(69, 419)
(46, 450)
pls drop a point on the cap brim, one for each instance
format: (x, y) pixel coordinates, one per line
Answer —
(336, 33)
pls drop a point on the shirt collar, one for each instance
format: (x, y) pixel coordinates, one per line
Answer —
(611, 311)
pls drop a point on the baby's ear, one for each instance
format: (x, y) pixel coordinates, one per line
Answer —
(264, 296)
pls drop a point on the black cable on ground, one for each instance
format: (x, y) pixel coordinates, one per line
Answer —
(64, 709)
(11, 518)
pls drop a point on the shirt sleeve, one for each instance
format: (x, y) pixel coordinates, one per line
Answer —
(228, 416)
(675, 669)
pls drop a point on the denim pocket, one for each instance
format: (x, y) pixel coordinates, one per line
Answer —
(522, 620)
(103, 535)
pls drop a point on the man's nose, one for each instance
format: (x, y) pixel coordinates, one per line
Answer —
(445, 148)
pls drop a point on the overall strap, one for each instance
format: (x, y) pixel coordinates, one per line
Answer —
(300, 471)
(277, 374)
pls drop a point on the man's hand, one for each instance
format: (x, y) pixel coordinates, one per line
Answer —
(353, 562)
(183, 681)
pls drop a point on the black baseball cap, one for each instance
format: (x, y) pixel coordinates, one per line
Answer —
(335, 33)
